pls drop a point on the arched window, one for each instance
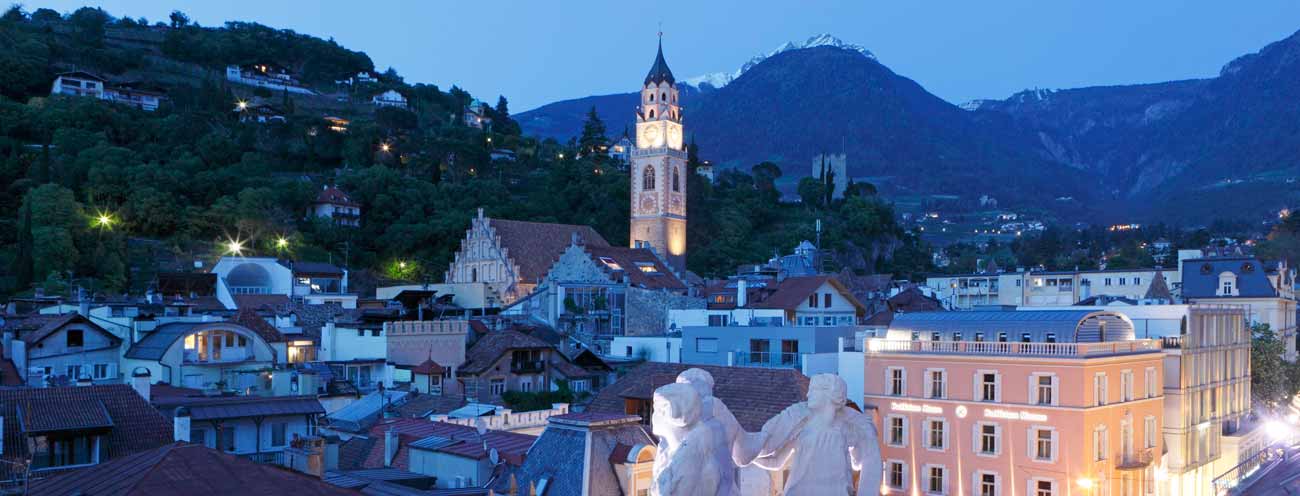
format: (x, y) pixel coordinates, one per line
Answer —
(473, 274)
(663, 96)
(676, 181)
(648, 178)
(652, 97)
(652, 113)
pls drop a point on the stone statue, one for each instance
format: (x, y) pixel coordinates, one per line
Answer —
(685, 463)
(821, 441)
(726, 430)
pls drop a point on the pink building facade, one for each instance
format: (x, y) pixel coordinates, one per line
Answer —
(1007, 418)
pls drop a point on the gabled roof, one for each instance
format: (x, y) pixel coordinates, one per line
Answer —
(133, 425)
(1158, 290)
(81, 75)
(335, 196)
(184, 469)
(62, 321)
(576, 454)
(493, 345)
(421, 433)
(754, 394)
(249, 318)
(534, 246)
(313, 268)
(261, 301)
(631, 261)
(659, 72)
(794, 291)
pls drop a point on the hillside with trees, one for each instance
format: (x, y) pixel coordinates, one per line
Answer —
(107, 195)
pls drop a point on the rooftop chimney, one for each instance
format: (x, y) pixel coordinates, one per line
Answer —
(742, 293)
(181, 425)
(390, 447)
(140, 379)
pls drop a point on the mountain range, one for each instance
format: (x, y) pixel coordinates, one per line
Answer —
(1185, 151)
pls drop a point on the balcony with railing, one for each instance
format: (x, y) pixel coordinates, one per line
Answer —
(265, 457)
(527, 366)
(767, 359)
(880, 346)
(1137, 460)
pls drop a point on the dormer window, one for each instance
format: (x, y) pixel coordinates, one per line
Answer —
(1228, 284)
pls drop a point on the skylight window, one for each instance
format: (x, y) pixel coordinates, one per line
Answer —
(609, 262)
(647, 267)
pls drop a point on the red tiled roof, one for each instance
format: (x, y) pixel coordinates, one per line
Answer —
(330, 194)
(184, 469)
(54, 325)
(9, 375)
(753, 394)
(794, 291)
(535, 246)
(428, 367)
(62, 414)
(136, 426)
(628, 259)
(248, 317)
(512, 446)
(492, 345)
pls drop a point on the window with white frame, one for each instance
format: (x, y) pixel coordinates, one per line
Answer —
(988, 438)
(1100, 443)
(986, 483)
(936, 479)
(896, 475)
(1042, 487)
(1126, 385)
(1149, 431)
(1043, 390)
(1042, 445)
(896, 378)
(1151, 383)
(896, 426)
(1099, 389)
(936, 383)
(497, 387)
(936, 431)
(988, 386)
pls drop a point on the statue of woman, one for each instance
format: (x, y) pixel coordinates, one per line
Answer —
(685, 463)
(821, 441)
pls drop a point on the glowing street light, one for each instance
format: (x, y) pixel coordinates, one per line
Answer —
(281, 243)
(241, 105)
(235, 247)
(104, 220)
(1277, 430)
(385, 147)
(1086, 483)
(401, 265)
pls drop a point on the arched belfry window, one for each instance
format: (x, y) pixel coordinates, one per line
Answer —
(652, 113)
(652, 97)
(648, 178)
(676, 181)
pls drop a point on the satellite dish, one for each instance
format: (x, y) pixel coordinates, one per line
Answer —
(493, 456)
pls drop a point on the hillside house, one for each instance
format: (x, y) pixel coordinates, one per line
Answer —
(332, 203)
(390, 98)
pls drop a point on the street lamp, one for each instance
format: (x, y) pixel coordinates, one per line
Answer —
(281, 243)
(385, 147)
(104, 220)
(235, 247)
(1086, 483)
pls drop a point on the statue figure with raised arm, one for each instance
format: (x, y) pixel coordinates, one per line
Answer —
(726, 430)
(821, 441)
(685, 463)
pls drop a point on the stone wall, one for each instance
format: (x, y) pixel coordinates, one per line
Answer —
(647, 310)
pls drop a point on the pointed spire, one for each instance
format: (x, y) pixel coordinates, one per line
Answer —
(1158, 290)
(659, 72)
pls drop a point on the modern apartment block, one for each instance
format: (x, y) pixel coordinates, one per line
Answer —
(1040, 403)
(1051, 288)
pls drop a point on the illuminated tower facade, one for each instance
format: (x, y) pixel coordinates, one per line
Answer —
(659, 169)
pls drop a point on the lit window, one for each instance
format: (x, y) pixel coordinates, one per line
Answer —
(609, 262)
(1100, 443)
(1149, 431)
(647, 267)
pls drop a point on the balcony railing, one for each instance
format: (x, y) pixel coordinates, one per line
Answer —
(1171, 342)
(767, 359)
(1077, 350)
(1136, 461)
(266, 457)
(527, 367)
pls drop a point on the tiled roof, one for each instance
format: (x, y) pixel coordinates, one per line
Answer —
(135, 425)
(513, 447)
(794, 291)
(629, 258)
(314, 269)
(184, 469)
(52, 326)
(423, 405)
(492, 345)
(753, 394)
(427, 367)
(229, 407)
(563, 457)
(913, 300)
(62, 414)
(30, 323)
(9, 375)
(155, 344)
(261, 301)
(330, 194)
(534, 246)
(250, 318)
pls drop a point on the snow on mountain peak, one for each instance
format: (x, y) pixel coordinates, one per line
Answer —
(720, 79)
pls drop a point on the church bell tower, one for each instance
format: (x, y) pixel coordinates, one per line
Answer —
(659, 168)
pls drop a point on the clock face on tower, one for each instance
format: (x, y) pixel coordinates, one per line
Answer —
(647, 203)
(674, 137)
(650, 137)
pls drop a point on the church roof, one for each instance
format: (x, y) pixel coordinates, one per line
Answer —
(1158, 289)
(659, 72)
(535, 246)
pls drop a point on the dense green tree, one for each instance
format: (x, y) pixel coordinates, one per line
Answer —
(1270, 380)
(593, 142)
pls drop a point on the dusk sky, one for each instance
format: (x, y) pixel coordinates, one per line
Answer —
(538, 52)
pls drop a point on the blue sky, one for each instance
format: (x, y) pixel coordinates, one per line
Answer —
(536, 52)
